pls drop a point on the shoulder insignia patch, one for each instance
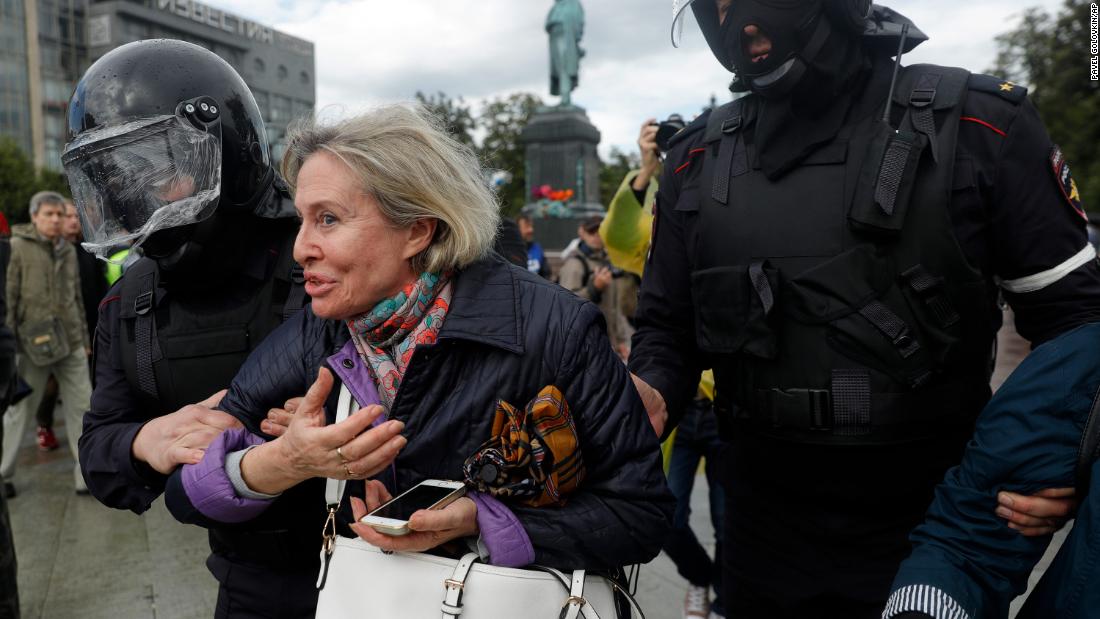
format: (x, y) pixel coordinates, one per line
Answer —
(994, 85)
(1066, 184)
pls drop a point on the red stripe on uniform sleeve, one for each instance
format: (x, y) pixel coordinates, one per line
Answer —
(108, 300)
(691, 153)
(984, 124)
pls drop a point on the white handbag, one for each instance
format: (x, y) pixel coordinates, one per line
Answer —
(358, 580)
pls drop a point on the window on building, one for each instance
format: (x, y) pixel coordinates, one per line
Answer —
(304, 77)
(258, 65)
(282, 72)
(281, 109)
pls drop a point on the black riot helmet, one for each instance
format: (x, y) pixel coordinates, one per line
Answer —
(161, 134)
(798, 30)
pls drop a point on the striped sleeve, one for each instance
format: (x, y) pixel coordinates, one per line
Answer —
(923, 599)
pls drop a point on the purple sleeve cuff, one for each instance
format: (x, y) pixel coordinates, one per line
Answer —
(208, 487)
(502, 533)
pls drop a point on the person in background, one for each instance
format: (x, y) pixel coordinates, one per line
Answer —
(588, 273)
(47, 316)
(93, 285)
(536, 257)
(626, 235)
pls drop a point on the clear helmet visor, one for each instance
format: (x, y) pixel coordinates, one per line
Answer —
(679, 11)
(131, 180)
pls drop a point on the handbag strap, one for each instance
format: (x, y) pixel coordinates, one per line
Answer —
(334, 493)
(453, 586)
(576, 601)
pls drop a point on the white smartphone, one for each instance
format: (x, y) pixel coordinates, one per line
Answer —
(392, 517)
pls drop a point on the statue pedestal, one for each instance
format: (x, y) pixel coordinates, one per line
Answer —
(560, 151)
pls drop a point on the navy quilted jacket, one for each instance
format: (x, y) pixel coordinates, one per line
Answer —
(508, 334)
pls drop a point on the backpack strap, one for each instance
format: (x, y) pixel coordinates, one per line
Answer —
(724, 126)
(924, 89)
(1089, 452)
(139, 301)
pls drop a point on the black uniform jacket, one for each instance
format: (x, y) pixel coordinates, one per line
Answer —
(1012, 208)
(118, 411)
(507, 335)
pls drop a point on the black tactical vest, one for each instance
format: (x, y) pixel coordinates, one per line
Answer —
(836, 302)
(177, 349)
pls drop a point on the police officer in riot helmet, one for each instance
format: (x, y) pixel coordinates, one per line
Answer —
(168, 154)
(833, 244)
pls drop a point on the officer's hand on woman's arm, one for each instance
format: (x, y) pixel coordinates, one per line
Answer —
(308, 448)
(654, 405)
(181, 437)
(1040, 514)
(427, 528)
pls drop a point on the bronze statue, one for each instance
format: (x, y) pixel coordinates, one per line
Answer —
(565, 24)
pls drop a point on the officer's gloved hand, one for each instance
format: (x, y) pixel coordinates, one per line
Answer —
(1040, 514)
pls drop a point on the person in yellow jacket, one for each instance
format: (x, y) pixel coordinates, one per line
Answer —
(626, 232)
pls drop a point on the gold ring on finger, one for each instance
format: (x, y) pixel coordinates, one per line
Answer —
(348, 471)
(343, 459)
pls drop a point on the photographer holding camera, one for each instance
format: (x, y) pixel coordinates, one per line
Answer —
(588, 273)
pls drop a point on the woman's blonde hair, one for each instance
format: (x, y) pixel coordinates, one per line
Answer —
(413, 169)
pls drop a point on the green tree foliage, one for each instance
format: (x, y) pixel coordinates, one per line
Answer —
(1050, 54)
(19, 181)
(502, 120)
(613, 171)
(454, 113)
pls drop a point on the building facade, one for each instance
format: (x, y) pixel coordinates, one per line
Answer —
(39, 73)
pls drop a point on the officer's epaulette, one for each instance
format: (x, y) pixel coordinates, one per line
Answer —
(998, 86)
(693, 127)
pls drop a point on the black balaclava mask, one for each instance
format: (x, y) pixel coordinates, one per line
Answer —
(796, 30)
(805, 84)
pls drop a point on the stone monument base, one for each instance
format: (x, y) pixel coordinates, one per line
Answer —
(560, 145)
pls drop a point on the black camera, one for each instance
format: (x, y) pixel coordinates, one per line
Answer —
(616, 272)
(668, 128)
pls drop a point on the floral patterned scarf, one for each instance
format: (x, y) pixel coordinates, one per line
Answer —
(387, 335)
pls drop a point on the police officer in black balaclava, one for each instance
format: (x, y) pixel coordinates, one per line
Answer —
(833, 245)
(168, 153)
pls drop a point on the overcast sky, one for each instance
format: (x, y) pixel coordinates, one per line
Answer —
(372, 51)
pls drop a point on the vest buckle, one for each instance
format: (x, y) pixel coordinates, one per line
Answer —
(143, 303)
(922, 97)
(731, 125)
(803, 409)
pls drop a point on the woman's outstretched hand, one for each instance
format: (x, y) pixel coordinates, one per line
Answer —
(309, 448)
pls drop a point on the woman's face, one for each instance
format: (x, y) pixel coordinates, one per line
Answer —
(352, 256)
